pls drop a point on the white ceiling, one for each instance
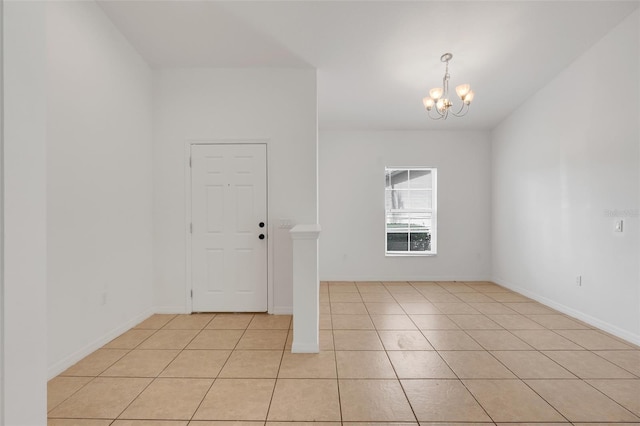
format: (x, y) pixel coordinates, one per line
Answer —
(377, 59)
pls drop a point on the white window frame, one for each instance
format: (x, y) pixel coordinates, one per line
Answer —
(433, 211)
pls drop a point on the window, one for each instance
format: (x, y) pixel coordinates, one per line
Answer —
(410, 205)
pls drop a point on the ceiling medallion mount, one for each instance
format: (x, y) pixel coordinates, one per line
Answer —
(439, 96)
(446, 57)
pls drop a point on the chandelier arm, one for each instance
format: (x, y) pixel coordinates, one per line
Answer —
(438, 115)
(460, 115)
(464, 109)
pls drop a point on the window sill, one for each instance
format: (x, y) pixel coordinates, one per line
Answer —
(410, 254)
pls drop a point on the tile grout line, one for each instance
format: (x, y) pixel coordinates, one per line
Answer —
(610, 398)
(335, 360)
(215, 379)
(235, 346)
(386, 352)
(93, 378)
(275, 382)
(78, 390)
(466, 331)
(540, 351)
(545, 400)
(179, 352)
(556, 363)
(611, 362)
(526, 384)
(153, 379)
(462, 383)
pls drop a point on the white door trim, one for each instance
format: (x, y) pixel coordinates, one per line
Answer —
(187, 217)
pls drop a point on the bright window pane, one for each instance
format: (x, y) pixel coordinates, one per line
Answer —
(420, 179)
(420, 199)
(400, 199)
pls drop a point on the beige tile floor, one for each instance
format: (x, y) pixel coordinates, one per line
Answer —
(392, 352)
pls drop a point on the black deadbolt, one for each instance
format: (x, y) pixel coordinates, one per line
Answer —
(261, 236)
(261, 224)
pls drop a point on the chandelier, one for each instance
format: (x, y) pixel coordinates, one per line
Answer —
(439, 96)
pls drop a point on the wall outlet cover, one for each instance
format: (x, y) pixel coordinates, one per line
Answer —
(618, 225)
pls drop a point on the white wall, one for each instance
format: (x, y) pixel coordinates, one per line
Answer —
(24, 305)
(1, 214)
(351, 168)
(561, 162)
(99, 183)
(277, 105)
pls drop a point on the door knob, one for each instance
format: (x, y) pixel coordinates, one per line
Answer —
(261, 236)
(261, 224)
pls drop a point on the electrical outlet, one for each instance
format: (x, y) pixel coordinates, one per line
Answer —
(618, 225)
(579, 280)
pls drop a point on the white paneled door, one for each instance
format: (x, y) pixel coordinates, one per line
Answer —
(229, 227)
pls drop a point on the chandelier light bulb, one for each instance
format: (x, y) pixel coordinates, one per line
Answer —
(428, 103)
(440, 104)
(468, 97)
(462, 90)
(436, 93)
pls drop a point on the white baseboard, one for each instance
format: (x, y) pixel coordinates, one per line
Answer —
(309, 348)
(68, 361)
(277, 310)
(171, 310)
(406, 278)
(596, 322)
(282, 310)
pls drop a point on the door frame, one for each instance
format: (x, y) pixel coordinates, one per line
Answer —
(188, 217)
